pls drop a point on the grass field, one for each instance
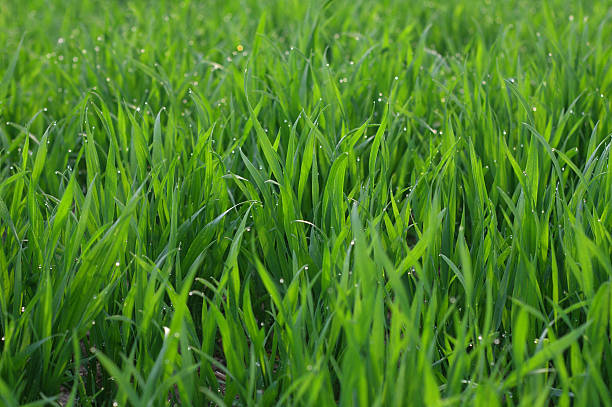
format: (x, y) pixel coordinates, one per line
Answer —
(356, 203)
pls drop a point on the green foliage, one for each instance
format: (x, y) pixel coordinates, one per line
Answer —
(305, 203)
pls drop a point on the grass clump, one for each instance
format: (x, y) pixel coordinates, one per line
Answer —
(307, 203)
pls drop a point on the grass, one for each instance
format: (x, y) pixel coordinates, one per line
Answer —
(305, 203)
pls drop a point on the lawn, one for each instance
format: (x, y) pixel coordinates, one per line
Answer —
(307, 202)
